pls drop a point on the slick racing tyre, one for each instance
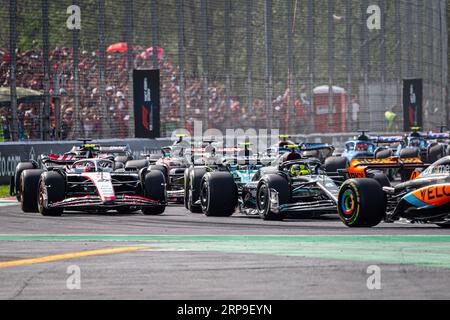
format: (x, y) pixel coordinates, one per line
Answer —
(409, 153)
(186, 187)
(268, 183)
(163, 169)
(383, 154)
(29, 184)
(122, 159)
(17, 182)
(218, 194)
(333, 164)
(361, 203)
(52, 187)
(382, 179)
(155, 189)
(435, 152)
(136, 165)
(195, 184)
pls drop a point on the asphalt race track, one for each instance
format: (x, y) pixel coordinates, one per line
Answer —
(189, 256)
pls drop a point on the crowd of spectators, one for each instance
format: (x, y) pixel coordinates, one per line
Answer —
(116, 114)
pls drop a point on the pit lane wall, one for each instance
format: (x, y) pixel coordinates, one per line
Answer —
(11, 153)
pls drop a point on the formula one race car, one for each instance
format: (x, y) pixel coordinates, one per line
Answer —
(173, 162)
(424, 145)
(92, 185)
(290, 185)
(118, 154)
(426, 199)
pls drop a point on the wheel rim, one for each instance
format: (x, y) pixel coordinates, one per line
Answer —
(42, 196)
(262, 198)
(204, 196)
(348, 203)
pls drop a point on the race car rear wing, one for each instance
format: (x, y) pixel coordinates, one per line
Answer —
(388, 163)
(360, 168)
(315, 146)
(388, 139)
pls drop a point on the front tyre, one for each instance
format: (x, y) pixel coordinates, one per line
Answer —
(219, 194)
(361, 203)
(52, 186)
(155, 189)
(269, 184)
(22, 166)
(29, 185)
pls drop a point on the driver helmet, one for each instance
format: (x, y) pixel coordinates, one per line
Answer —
(299, 170)
(414, 143)
(361, 147)
(290, 156)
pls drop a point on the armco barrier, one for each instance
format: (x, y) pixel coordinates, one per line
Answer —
(11, 153)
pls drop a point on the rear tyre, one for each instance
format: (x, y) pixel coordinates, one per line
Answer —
(186, 187)
(161, 168)
(136, 165)
(281, 186)
(333, 164)
(155, 189)
(435, 153)
(382, 179)
(17, 182)
(383, 154)
(361, 203)
(29, 184)
(52, 188)
(219, 194)
(195, 180)
(409, 153)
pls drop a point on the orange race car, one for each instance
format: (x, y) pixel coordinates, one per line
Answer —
(365, 202)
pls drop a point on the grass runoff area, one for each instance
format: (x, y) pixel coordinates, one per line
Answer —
(4, 191)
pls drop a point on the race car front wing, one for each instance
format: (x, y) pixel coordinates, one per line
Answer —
(96, 202)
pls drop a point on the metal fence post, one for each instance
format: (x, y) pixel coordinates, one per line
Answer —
(311, 59)
(45, 130)
(249, 62)
(398, 53)
(181, 51)
(431, 70)
(291, 71)
(106, 121)
(382, 58)
(77, 127)
(444, 56)
(205, 61)
(13, 63)
(420, 18)
(155, 40)
(269, 62)
(330, 62)
(349, 60)
(130, 64)
(227, 65)
(367, 120)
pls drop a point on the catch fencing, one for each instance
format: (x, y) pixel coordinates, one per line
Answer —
(301, 66)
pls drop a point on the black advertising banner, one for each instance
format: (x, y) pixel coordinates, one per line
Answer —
(412, 103)
(146, 103)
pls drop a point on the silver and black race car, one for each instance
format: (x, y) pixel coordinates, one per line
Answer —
(92, 185)
(290, 186)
